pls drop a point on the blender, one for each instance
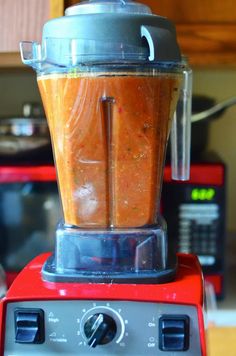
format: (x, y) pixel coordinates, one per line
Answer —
(110, 75)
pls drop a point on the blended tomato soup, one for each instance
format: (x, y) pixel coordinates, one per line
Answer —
(109, 135)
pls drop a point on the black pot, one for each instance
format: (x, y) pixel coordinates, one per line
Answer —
(21, 137)
(200, 129)
(25, 137)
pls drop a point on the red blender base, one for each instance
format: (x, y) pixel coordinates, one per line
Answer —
(47, 318)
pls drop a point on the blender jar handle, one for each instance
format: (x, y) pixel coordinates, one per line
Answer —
(181, 130)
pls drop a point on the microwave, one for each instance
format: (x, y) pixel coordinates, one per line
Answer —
(194, 210)
(29, 211)
(195, 213)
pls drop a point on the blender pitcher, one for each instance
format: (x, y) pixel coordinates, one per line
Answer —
(110, 74)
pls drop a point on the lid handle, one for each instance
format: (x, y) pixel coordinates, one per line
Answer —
(162, 44)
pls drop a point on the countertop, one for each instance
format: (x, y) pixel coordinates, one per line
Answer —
(221, 333)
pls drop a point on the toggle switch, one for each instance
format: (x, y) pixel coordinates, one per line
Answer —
(29, 326)
(174, 333)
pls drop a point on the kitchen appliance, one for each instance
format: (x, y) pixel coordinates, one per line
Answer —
(204, 192)
(110, 74)
(33, 190)
(195, 213)
(30, 208)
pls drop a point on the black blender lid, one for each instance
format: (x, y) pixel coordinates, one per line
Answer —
(105, 30)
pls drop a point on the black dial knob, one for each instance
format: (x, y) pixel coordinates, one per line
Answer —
(99, 329)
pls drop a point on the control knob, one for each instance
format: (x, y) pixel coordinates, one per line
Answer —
(99, 329)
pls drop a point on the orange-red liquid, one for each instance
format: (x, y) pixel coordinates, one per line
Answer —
(109, 135)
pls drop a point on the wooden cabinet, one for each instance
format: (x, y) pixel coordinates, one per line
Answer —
(23, 20)
(206, 29)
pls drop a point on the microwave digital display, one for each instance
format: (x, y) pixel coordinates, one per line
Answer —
(203, 194)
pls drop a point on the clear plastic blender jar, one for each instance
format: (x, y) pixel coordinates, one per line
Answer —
(110, 75)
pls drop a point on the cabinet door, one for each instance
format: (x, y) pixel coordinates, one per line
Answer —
(205, 29)
(24, 19)
(195, 12)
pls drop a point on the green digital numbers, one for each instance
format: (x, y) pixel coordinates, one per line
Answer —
(203, 194)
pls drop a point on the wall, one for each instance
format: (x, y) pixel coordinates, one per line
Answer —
(16, 88)
(221, 84)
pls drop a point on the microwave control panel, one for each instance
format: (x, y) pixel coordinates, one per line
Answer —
(197, 231)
